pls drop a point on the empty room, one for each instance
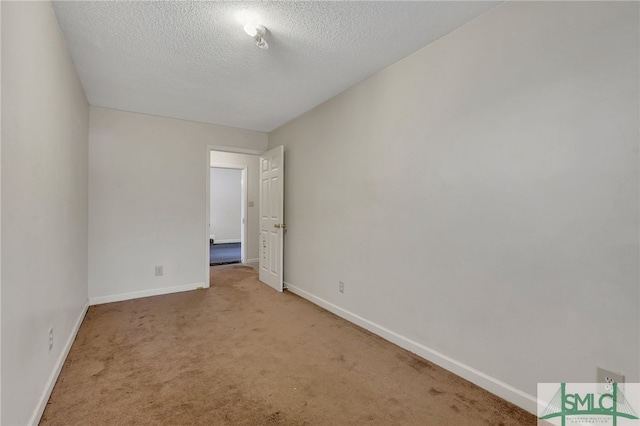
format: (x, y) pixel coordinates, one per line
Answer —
(422, 213)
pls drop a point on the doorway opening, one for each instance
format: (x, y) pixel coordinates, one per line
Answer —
(226, 214)
(218, 237)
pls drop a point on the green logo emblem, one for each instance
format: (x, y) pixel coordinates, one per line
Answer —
(581, 407)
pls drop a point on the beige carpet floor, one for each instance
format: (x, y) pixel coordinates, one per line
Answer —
(241, 353)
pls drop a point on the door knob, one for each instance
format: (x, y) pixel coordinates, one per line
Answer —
(277, 225)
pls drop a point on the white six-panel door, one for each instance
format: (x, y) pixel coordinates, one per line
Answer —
(271, 216)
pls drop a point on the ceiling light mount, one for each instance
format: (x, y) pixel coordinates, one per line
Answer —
(257, 32)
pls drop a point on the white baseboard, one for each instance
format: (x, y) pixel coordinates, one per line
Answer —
(42, 403)
(227, 241)
(253, 263)
(145, 293)
(515, 396)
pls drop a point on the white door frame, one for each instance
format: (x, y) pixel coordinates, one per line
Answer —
(211, 148)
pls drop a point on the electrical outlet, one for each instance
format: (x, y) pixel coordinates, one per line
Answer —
(159, 271)
(606, 379)
(341, 287)
(50, 339)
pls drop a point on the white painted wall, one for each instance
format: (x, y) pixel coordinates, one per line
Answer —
(226, 204)
(480, 197)
(45, 120)
(148, 195)
(252, 163)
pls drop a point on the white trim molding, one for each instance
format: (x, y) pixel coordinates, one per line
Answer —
(42, 403)
(227, 241)
(503, 390)
(145, 293)
(234, 149)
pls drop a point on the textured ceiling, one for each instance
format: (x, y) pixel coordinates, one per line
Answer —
(192, 60)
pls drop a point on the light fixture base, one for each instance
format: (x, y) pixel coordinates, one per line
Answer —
(257, 32)
(260, 31)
